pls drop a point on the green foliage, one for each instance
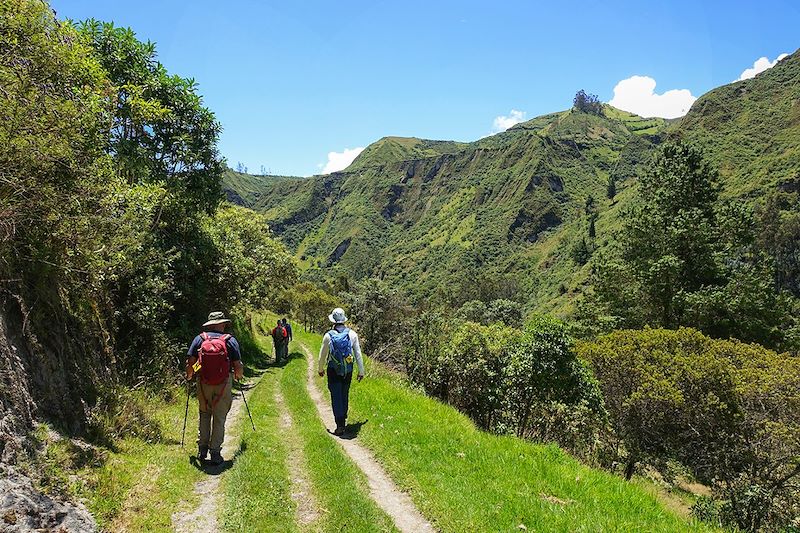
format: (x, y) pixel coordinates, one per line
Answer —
(528, 382)
(688, 259)
(587, 103)
(727, 410)
(501, 311)
(161, 133)
(312, 305)
(251, 267)
(543, 371)
(381, 313)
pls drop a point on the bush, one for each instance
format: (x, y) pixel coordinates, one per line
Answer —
(729, 411)
(542, 372)
(472, 366)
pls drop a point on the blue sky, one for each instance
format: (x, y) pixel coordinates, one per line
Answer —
(292, 82)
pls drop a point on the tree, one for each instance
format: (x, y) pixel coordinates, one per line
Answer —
(611, 188)
(587, 103)
(684, 256)
(161, 132)
(543, 369)
(380, 312)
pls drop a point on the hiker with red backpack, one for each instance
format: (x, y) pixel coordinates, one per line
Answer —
(216, 359)
(280, 338)
(340, 348)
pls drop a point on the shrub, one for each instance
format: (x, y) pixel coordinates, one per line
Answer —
(473, 363)
(543, 371)
(729, 411)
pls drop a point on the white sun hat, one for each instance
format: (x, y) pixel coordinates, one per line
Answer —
(338, 316)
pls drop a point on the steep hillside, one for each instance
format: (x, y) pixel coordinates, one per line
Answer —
(499, 216)
(751, 130)
(246, 189)
(449, 216)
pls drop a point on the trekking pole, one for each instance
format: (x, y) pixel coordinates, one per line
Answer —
(186, 412)
(244, 397)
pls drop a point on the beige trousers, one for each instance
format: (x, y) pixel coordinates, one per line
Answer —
(215, 402)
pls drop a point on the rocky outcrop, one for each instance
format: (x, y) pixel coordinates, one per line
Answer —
(23, 508)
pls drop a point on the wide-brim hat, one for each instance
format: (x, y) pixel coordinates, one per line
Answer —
(216, 317)
(337, 316)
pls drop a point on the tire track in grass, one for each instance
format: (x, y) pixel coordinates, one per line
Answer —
(306, 510)
(393, 501)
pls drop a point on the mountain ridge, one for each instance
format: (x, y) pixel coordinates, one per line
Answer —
(508, 208)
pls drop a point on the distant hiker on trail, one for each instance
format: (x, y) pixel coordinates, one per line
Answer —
(288, 328)
(280, 338)
(339, 346)
(213, 356)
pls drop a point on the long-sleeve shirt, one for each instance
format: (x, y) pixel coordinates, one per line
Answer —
(326, 347)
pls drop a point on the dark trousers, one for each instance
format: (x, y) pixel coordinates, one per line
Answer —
(340, 393)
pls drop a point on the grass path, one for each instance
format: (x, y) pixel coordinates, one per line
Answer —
(395, 503)
(341, 489)
(307, 509)
(203, 519)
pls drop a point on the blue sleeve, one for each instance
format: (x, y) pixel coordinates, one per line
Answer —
(235, 351)
(194, 346)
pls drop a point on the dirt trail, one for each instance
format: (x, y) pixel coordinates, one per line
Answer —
(204, 518)
(307, 509)
(391, 499)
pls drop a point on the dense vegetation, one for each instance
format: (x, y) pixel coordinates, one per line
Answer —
(114, 244)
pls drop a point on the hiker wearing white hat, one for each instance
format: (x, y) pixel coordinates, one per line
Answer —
(215, 357)
(340, 348)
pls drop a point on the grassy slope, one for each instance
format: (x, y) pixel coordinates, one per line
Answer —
(494, 204)
(751, 129)
(139, 485)
(246, 189)
(468, 480)
(422, 214)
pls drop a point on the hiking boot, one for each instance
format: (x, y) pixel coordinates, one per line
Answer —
(339, 431)
(202, 452)
(216, 457)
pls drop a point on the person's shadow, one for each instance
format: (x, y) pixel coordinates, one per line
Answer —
(351, 430)
(215, 470)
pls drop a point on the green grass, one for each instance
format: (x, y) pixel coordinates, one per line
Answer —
(257, 491)
(468, 480)
(339, 486)
(139, 485)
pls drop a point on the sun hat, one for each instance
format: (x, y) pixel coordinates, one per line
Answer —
(338, 316)
(216, 317)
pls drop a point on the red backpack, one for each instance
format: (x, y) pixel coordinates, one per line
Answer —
(215, 365)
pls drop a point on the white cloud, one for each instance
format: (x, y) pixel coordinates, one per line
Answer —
(760, 65)
(341, 160)
(502, 123)
(637, 95)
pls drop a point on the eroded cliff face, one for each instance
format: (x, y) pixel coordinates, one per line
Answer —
(46, 375)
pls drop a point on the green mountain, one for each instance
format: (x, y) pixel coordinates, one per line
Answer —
(498, 217)
(751, 130)
(246, 189)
